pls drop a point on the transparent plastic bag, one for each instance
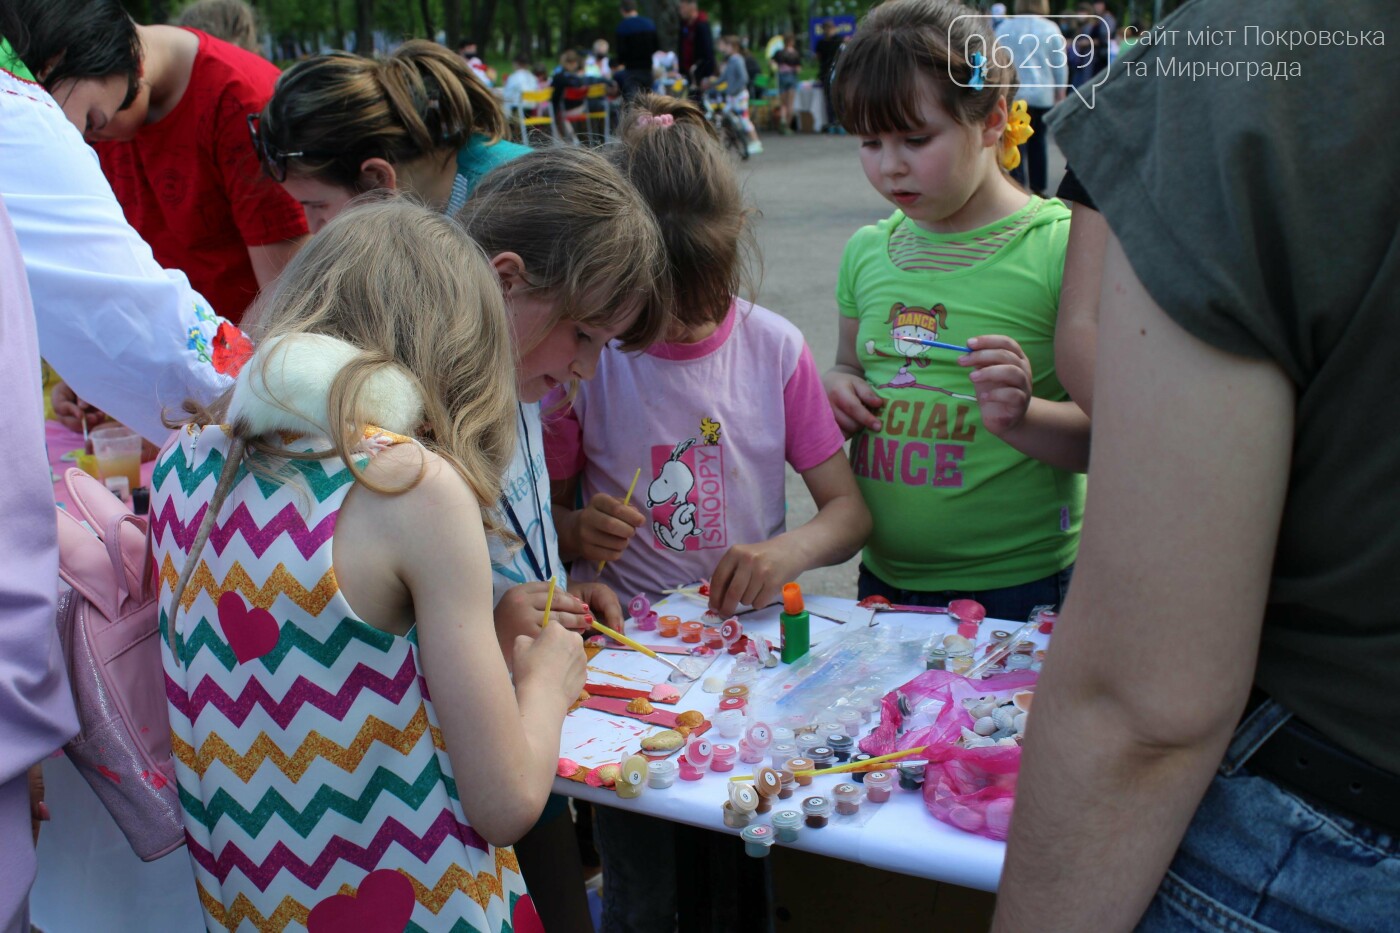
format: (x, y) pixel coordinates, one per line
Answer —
(970, 788)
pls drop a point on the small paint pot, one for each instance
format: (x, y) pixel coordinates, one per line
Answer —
(800, 764)
(877, 786)
(911, 774)
(787, 824)
(782, 734)
(808, 741)
(999, 635)
(959, 665)
(847, 798)
(859, 776)
(733, 703)
(870, 706)
(757, 841)
(662, 773)
(737, 690)
(967, 629)
(817, 810)
(670, 626)
(764, 804)
(781, 752)
(691, 632)
(750, 755)
(713, 638)
(723, 759)
(648, 622)
(736, 819)
(850, 719)
(822, 756)
(840, 745)
(688, 771)
(729, 723)
(937, 660)
(788, 783)
(1018, 662)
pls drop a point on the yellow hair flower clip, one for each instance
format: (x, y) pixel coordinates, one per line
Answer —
(1018, 130)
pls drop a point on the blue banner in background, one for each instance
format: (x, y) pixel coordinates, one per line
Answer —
(816, 27)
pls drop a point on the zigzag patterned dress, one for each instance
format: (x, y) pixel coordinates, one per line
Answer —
(317, 790)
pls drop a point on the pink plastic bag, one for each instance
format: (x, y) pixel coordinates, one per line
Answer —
(970, 788)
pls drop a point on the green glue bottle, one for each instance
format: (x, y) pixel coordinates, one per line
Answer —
(796, 624)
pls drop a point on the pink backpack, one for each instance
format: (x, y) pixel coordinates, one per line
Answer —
(109, 625)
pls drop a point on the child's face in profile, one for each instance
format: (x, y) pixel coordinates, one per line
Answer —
(929, 171)
(554, 355)
(320, 201)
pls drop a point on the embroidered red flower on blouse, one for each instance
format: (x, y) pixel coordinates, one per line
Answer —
(232, 349)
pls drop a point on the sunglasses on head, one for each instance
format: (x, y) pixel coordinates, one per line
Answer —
(273, 160)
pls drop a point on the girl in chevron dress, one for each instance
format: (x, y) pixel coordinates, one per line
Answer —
(351, 750)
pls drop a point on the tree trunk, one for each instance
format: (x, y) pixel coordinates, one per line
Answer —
(364, 27)
(522, 27)
(485, 24)
(566, 28)
(338, 20)
(428, 29)
(452, 21)
(728, 17)
(543, 45)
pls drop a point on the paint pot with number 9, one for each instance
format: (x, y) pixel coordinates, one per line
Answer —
(634, 777)
(757, 841)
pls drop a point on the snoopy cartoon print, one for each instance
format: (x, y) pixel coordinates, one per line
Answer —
(673, 485)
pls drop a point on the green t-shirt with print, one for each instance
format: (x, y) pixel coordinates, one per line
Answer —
(956, 508)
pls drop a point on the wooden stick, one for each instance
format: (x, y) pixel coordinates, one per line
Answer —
(626, 500)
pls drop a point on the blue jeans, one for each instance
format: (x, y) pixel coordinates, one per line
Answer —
(1258, 858)
(1012, 603)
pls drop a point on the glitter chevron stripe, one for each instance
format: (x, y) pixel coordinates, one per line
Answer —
(289, 910)
(279, 582)
(363, 679)
(310, 474)
(287, 522)
(480, 889)
(205, 637)
(264, 749)
(281, 858)
(223, 805)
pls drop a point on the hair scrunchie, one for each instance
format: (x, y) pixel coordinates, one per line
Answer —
(1018, 130)
(656, 119)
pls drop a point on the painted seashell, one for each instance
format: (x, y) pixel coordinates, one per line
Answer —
(958, 644)
(665, 693)
(667, 740)
(713, 684)
(967, 610)
(683, 730)
(984, 726)
(567, 768)
(641, 706)
(609, 774)
(691, 717)
(583, 696)
(1004, 716)
(1022, 700)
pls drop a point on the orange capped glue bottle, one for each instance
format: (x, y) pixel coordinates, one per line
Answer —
(796, 624)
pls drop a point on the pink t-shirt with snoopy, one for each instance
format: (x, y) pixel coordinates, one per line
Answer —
(711, 425)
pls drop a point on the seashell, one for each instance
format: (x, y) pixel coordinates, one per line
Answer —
(583, 696)
(969, 736)
(692, 718)
(713, 685)
(665, 693)
(683, 730)
(1020, 724)
(958, 644)
(1001, 734)
(609, 774)
(984, 726)
(1022, 700)
(982, 708)
(641, 706)
(980, 741)
(567, 768)
(1003, 716)
(1009, 742)
(667, 740)
(967, 610)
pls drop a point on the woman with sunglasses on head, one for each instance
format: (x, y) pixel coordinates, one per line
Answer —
(416, 121)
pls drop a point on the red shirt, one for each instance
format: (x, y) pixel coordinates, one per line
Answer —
(191, 185)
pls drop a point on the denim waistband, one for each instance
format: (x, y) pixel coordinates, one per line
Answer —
(1253, 731)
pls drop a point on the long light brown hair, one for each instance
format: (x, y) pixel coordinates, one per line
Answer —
(586, 238)
(689, 181)
(340, 109)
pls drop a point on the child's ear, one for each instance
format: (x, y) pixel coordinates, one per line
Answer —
(510, 269)
(995, 124)
(378, 173)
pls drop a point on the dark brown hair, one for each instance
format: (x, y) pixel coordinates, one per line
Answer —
(341, 109)
(584, 235)
(876, 82)
(688, 179)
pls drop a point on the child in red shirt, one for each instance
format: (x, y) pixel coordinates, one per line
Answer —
(180, 160)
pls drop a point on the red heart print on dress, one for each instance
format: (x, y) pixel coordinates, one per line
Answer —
(250, 632)
(524, 918)
(384, 904)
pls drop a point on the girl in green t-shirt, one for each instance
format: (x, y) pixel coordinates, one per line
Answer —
(965, 445)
